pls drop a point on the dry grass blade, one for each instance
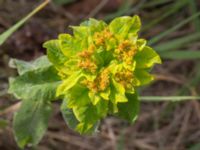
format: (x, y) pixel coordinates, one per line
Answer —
(70, 139)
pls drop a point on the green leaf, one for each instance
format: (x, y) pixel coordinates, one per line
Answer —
(95, 98)
(31, 121)
(86, 113)
(62, 2)
(24, 66)
(123, 25)
(119, 92)
(141, 43)
(68, 83)
(68, 115)
(94, 25)
(80, 31)
(37, 84)
(54, 53)
(87, 116)
(78, 96)
(84, 128)
(90, 22)
(70, 45)
(102, 108)
(117, 95)
(105, 94)
(146, 58)
(130, 109)
(143, 76)
(11, 30)
(84, 33)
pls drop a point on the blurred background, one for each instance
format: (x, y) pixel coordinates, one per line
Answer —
(173, 30)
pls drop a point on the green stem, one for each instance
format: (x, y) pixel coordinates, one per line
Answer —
(7, 33)
(167, 98)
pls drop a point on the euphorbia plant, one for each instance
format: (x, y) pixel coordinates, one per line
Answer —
(96, 72)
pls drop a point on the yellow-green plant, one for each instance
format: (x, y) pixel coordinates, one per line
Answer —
(96, 72)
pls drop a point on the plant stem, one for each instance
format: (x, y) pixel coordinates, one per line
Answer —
(11, 30)
(167, 98)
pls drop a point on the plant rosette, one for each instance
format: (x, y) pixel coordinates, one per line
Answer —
(96, 71)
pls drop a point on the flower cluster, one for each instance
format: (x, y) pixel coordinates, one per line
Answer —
(101, 66)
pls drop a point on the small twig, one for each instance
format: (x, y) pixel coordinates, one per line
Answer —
(141, 144)
(11, 109)
(112, 136)
(70, 139)
(183, 128)
(158, 136)
(168, 78)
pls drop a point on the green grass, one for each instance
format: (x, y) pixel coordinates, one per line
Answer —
(4, 36)
(173, 29)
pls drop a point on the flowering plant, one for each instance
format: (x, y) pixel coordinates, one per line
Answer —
(96, 71)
